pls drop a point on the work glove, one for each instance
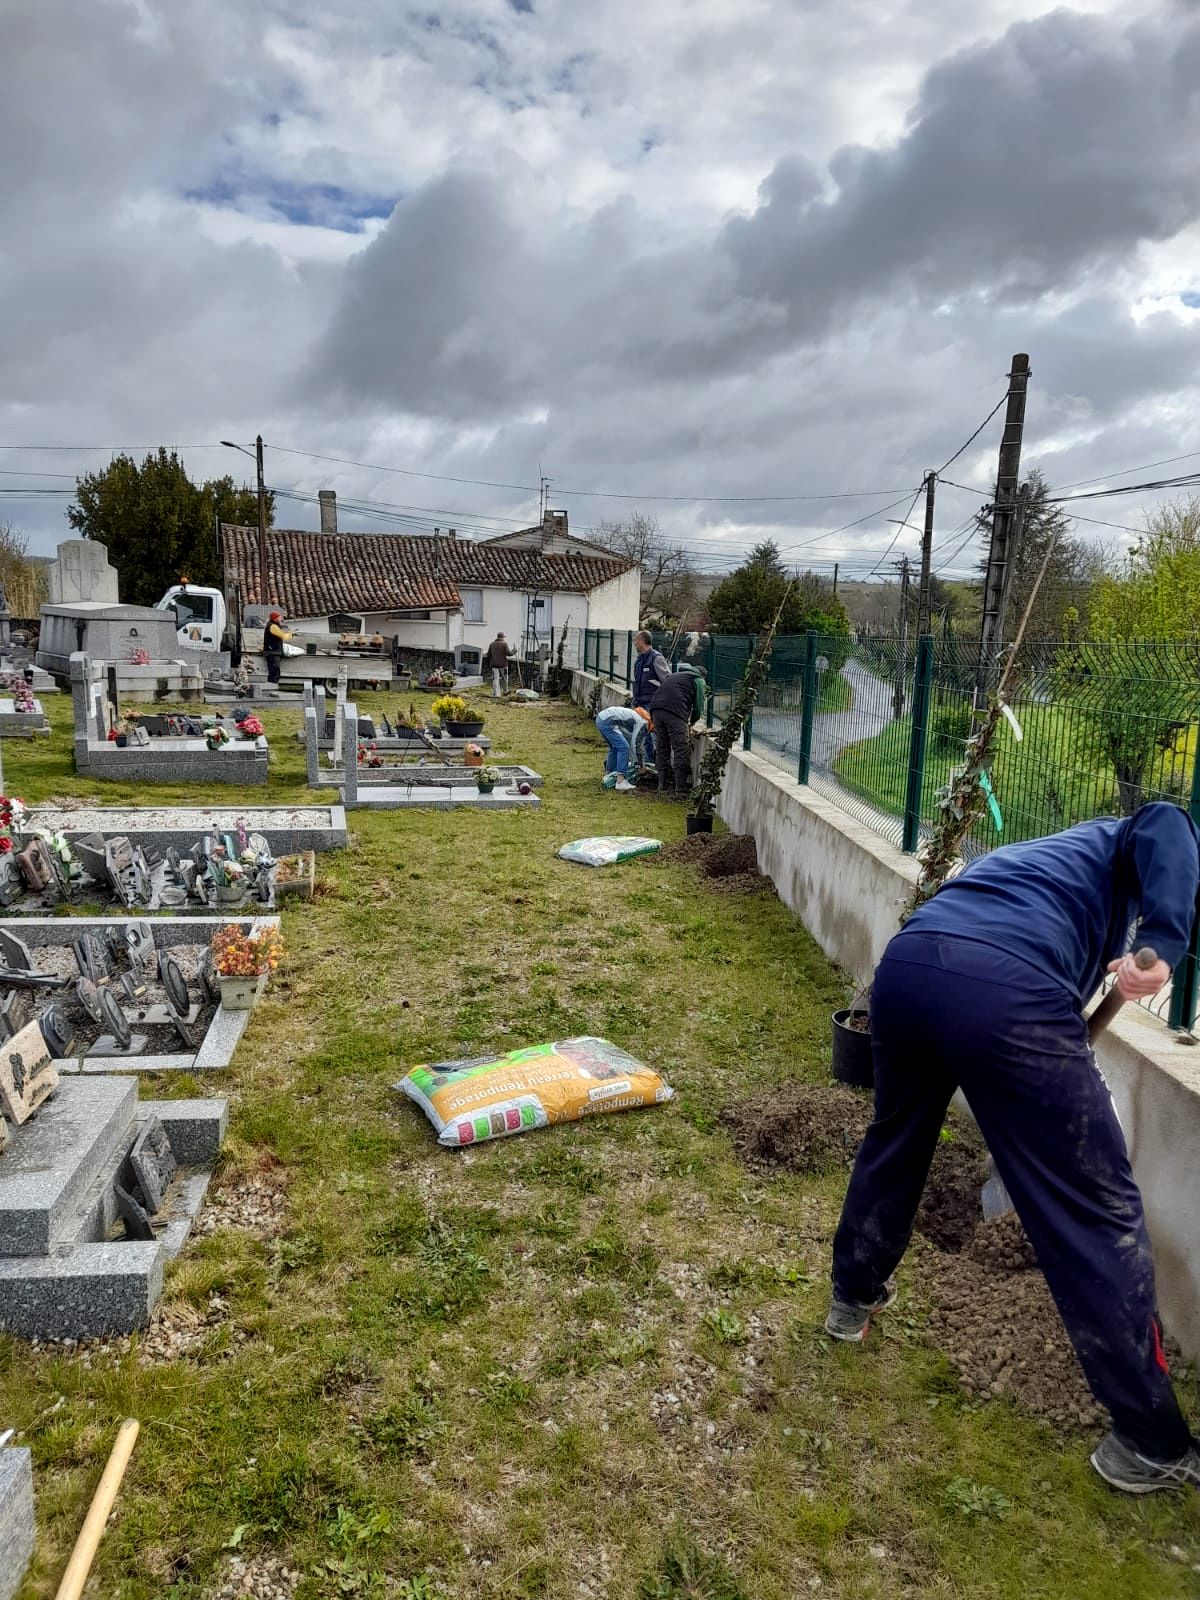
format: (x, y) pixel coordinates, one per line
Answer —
(1133, 983)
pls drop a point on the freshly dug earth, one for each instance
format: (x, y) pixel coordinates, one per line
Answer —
(950, 1210)
(728, 860)
(803, 1127)
(1003, 1335)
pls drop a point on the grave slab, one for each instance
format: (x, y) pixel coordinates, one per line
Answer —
(195, 1128)
(17, 1526)
(385, 797)
(52, 1161)
(82, 1293)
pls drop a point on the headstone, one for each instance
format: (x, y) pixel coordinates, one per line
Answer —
(28, 1075)
(15, 953)
(138, 1225)
(153, 1163)
(174, 983)
(62, 878)
(93, 963)
(57, 1032)
(114, 939)
(88, 996)
(120, 1040)
(208, 977)
(92, 858)
(143, 957)
(118, 857)
(143, 879)
(16, 1010)
(128, 986)
(82, 572)
(173, 863)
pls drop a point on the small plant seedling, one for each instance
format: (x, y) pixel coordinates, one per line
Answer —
(975, 1500)
(725, 1326)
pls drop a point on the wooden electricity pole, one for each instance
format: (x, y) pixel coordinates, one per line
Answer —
(1004, 517)
(923, 611)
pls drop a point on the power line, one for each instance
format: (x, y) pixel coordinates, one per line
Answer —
(723, 499)
(976, 434)
(896, 535)
(408, 472)
(1184, 481)
(1122, 472)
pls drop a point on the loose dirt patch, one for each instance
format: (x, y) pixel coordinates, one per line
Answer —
(1002, 1334)
(950, 1209)
(729, 861)
(802, 1127)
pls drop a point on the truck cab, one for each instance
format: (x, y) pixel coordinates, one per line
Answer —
(200, 615)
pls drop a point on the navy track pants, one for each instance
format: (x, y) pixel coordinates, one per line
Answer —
(947, 1013)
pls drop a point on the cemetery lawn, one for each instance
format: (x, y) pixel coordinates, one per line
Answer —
(581, 1362)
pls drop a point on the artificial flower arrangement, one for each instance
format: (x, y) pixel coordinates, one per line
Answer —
(487, 778)
(139, 658)
(12, 812)
(450, 708)
(440, 680)
(14, 683)
(216, 736)
(250, 727)
(368, 755)
(58, 844)
(225, 871)
(237, 954)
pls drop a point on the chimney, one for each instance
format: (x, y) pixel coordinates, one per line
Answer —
(453, 532)
(328, 502)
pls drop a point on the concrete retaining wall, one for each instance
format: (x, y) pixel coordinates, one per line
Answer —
(847, 886)
(611, 694)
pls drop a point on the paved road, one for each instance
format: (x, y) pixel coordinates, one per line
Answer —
(871, 712)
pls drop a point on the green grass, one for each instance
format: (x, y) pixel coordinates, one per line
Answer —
(448, 1376)
(1053, 778)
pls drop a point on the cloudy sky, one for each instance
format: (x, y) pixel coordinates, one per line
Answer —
(710, 257)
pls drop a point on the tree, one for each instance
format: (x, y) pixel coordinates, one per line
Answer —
(668, 572)
(25, 582)
(157, 525)
(1134, 678)
(747, 600)
(1073, 568)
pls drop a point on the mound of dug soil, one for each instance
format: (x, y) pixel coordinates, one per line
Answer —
(950, 1209)
(729, 861)
(801, 1127)
(1003, 1335)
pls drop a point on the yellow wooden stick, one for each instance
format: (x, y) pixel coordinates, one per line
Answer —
(92, 1532)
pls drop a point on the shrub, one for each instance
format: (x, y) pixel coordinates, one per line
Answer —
(951, 727)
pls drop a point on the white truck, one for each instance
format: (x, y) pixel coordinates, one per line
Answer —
(201, 616)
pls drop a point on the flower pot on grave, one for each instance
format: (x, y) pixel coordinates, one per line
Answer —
(301, 874)
(852, 1061)
(464, 730)
(699, 824)
(241, 994)
(473, 759)
(229, 894)
(485, 788)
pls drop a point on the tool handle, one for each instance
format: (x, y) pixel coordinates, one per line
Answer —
(84, 1553)
(1145, 958)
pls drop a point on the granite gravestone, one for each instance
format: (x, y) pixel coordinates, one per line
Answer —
(174, 983)
(139, 946)
(88, 996)
(93, 963)
(28, 1075)
(15, 953)
(153, 1164)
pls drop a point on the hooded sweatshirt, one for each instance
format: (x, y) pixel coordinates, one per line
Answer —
(1068, 904)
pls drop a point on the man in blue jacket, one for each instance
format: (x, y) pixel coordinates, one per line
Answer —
(650, 669)
(984, 990)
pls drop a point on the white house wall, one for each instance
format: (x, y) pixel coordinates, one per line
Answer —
(615, 604)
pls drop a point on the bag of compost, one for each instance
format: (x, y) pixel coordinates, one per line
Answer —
(606, 848)
(489, 1097)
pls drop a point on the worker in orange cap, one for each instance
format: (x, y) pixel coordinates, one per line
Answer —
(273, 637)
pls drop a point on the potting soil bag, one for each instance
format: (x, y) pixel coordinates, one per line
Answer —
(487, 1097)
(606, 848)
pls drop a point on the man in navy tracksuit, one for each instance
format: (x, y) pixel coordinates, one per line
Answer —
(984, 990)
(649, 671)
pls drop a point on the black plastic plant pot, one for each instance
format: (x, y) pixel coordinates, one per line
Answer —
(852, 1062)
(699, 824)
(464, 730)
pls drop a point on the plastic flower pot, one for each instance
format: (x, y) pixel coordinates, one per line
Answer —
(852, 1061)
(464, 730)
(485, 788)
(697, 824)
(241, 994)
(473, 760)
(229, 894)
(300, 881)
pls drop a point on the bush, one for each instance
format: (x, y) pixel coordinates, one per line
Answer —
(950, 727)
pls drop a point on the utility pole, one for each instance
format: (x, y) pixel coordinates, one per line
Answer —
(923, 610)
(835, 573)
(264, 576)
(1004, 516)
(902, 648)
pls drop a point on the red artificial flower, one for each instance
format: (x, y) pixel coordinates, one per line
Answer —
(5, 845)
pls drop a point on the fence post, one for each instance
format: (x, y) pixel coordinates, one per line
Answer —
(748, 725)
(612, 655)
(709, 708)
(808, 705)
(629, 660)
(922, 685)
(1186, 978)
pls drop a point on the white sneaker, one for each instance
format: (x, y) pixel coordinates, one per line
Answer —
(623, 786)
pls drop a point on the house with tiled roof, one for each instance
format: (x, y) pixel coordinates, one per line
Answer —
(436, 592)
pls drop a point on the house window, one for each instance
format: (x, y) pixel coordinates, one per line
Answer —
(472, 604)
(415, 616)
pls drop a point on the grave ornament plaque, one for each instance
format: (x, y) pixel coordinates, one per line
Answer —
(28, 1075)
(138, 1225)
(57, 1032)
(153, 1163)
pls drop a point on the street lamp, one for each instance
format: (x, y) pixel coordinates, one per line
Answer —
(264, 584)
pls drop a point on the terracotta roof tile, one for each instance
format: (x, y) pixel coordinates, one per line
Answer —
(315, 574)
